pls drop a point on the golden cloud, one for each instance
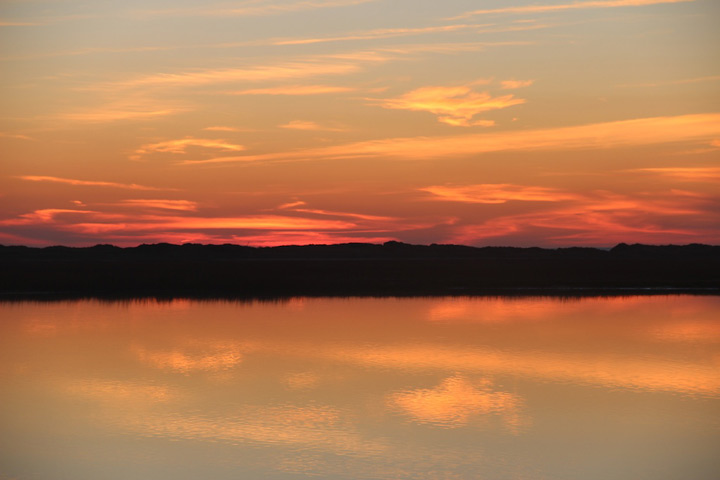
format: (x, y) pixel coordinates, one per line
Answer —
(696, 174)
(498, 193)
(88, 183)
(180, 146)
(308, 125)
(185, 205)
(513, 84)
(454, 105)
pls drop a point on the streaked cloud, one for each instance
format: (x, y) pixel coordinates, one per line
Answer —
(310, 126)
(298, 203)
(513, 84)
(123, 108)
(453, 105)
(44, 215)
(486, 28)
(17, 136)
(248, 222)
(498, 193)
(567, 6)
(623, 133)
(294, 90)
(12, 23)
(102, 115)
(682, 81)
(255, 8)
(602, 219)
(316, 211)
(185, 205)
(88, 183)
(696, 174)
(180, 146)
(380, 33)
(258, 73)
(221, 128)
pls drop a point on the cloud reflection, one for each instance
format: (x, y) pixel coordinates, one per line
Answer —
(455, 402)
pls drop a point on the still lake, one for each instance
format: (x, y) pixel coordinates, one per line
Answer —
(362, 388)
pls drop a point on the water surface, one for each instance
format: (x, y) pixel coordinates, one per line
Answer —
(362, 388)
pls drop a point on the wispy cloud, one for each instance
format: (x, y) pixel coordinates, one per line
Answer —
(623, 133)
(453, 105)
(250, 222)
(513, 84)
(695, 174)
(180, 146)
(682, 81)
(12, 23)
(258, 73)
(497, 193)
(566, 6)
(380, 33)
(130, 108)
(294, 90)
(90, 183)
(295, 207)
(184, 205)
(42, 216)
(220, 128)
(16, 136)
(253, 8)
(602, 218)
(310, 126)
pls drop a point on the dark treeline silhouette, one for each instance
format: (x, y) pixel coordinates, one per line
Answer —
(392, 268)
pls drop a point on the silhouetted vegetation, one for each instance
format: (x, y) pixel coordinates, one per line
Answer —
(392, 268)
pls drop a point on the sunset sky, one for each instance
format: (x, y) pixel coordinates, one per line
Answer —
(267, 122)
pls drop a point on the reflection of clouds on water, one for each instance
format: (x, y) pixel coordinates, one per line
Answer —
(212, 357)
(484, 310)
(457, 401)
(119, 394)
(608, 370)
(313, 427)
(301, 380)
(381, 389)
(689, 331)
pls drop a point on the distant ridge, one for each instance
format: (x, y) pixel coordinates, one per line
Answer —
(392, 268)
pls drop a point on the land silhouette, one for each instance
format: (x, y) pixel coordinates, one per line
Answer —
(392, 268)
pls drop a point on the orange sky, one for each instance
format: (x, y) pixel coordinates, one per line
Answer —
(266, 122)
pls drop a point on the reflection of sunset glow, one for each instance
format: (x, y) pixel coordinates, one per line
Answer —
(408, 388)
(607, 370)
(690, 331)
(302, 381)
(125, 393)
(308, 427)
(183, 362)
(454, 402)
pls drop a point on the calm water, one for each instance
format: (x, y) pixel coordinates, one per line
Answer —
(424, 388)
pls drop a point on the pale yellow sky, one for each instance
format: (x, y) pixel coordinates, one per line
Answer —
(269, 122)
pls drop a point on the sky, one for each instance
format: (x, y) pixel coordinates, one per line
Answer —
(547, 123)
